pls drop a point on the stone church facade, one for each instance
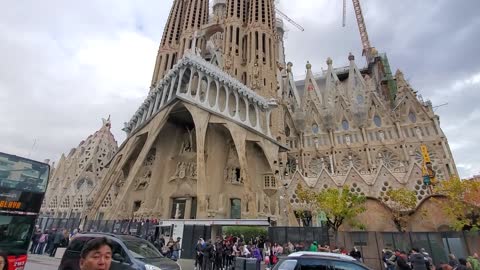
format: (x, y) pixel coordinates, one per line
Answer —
(226, 132)
(75, 179)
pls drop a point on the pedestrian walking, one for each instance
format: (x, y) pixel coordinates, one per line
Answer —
(57, 240)
(50, 238)
(42, 242)
(35, 238)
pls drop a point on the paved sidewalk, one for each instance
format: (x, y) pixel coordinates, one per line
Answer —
(41, 262)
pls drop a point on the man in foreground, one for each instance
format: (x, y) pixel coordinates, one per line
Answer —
(96, 255)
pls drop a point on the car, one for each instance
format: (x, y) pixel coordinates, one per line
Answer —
(129, 253)
(306, 260)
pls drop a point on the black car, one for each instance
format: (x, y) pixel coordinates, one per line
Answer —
(319, 261)
(128, 253)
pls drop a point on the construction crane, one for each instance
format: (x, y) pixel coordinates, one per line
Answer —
(284, 16)
(368, 50)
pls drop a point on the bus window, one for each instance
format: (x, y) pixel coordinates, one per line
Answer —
(15, 231)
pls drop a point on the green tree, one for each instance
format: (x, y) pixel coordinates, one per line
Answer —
(249, 233)
(402, 203)
(339, 205)
(462, 202)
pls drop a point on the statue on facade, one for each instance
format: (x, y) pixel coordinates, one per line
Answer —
(256, 79)
(418, 132)
(188, 141)
(266, 204)
(181, 171)
(228, 63)
(348, 141)
(381, 135)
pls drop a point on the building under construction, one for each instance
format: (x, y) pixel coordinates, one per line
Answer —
(227, 133)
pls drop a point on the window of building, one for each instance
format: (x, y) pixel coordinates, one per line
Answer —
(193, 213)
(377, 120)
(315, 129)
(413, 117)
(178, 208)
(360, 99)
(345, 125)
(235, 209)
(269, 181)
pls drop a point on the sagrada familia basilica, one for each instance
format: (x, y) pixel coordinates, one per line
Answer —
(226, 132)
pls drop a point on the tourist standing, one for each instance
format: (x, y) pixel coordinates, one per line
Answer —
(42, 242)
(355, 253)
(57, 240)
(208, 253)
(198, 254)
(418, 260)
(402, 261)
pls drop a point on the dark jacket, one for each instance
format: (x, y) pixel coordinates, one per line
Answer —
(418, 261)
(208, 251)
(402, 263)
(58, 238)
(453, 262)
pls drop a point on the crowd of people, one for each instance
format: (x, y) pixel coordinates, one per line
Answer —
(48, 241)
(222, 252)
(420, 260)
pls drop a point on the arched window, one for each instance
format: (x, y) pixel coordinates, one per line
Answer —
(345, 125)
(287, 131)
(413, 117)
(315, 129)
(377, 120)
(360, 99)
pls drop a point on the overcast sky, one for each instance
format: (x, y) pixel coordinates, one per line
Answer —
(66, 64)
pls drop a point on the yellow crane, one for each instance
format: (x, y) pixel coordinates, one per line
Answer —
(368, 51)
(427, 170)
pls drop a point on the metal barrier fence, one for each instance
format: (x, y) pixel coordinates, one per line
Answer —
(139, 228)
(298, 235)
(437, 244)
(370, 244)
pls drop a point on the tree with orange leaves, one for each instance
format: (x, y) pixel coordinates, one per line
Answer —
(463, 202)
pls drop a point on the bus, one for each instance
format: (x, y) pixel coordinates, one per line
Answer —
(23, 183)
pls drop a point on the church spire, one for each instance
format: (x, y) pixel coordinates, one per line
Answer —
(195, 16)
(262, 47)
(167, 52)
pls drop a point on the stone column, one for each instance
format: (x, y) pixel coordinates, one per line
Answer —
(200, 118)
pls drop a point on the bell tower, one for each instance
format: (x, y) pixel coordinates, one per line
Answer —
(235, 39)
(167, 52)
(261, 47)
(196, 15)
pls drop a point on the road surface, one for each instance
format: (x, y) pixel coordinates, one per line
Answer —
(41, 262)
(44, 262)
